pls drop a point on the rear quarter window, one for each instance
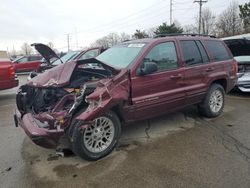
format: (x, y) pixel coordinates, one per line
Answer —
(218, 50)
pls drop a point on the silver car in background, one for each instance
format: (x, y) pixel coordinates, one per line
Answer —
(240, 48)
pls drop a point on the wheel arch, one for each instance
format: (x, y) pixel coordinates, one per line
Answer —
(222, 82)
(118, 110)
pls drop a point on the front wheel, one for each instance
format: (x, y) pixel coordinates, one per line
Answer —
(213, 104)
(98, 139)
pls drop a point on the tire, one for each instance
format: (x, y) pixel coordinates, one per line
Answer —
(213, 103)
(85, 141)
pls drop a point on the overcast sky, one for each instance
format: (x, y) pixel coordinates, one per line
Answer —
(87, 20)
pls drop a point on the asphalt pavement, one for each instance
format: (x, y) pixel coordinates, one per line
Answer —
(180, 149)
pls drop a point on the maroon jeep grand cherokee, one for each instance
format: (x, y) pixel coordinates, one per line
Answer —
(132, 81)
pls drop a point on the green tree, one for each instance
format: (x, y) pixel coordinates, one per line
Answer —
(245, 16)
(140, 34)
(168, 29)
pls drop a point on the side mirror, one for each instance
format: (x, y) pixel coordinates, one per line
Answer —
(147, 68)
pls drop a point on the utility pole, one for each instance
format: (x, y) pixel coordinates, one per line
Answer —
(171, 11)
(13, 50)
(76, 38)
(68, 35)
(200, 3)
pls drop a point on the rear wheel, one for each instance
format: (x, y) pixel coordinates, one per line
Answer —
(213, 104)
(98, 139)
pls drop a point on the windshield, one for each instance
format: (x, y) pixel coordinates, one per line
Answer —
(67, 57)
(121, 56)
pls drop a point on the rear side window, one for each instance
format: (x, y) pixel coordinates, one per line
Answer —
(218, 50)
(191, 53)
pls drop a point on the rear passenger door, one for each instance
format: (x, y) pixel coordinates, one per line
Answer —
(161, 91)
(197, 68)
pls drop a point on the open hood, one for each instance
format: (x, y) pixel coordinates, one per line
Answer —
(239, 47)
(46, 52)
(60, 75)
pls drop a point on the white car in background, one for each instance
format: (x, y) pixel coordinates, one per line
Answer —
(240, 48)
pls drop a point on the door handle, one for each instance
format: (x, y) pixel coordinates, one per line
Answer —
(209, 69)
(178, 76)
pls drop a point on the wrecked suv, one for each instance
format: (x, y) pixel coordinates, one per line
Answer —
(135, 80)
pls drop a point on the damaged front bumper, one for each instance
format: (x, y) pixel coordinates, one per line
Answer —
(243, 83)
(43, 137)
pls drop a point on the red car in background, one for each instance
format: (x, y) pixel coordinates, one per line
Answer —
(8, 78)
(27, 63)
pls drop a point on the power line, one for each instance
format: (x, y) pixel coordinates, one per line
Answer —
(200, 3)
(126, 23)
(124, 18)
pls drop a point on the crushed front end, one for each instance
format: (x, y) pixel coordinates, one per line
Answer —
(45, 109)
(45, 113)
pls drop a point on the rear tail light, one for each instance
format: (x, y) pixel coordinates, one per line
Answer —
(11, 72)
(235, 67)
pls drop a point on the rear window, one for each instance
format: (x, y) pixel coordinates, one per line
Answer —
(218, 50)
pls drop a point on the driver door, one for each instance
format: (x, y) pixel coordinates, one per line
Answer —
(160, 91)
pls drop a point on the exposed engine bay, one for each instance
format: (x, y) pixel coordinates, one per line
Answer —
(240, 48)
(55, 106)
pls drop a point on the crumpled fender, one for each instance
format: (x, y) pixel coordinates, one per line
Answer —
(113, 93)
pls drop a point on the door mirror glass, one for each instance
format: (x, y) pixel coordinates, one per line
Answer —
(147, 68)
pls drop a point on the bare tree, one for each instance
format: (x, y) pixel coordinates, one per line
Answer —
(150, 31)
(124, 36)
(111, 40)
(26, 49)
(229, 22)
(191, 29)
(51, 45)
(208, 20)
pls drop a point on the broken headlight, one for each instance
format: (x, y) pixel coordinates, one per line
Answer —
(93, 104)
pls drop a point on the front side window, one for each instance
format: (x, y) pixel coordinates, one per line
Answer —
(218, 50)
(164, 55)
(191, 53)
